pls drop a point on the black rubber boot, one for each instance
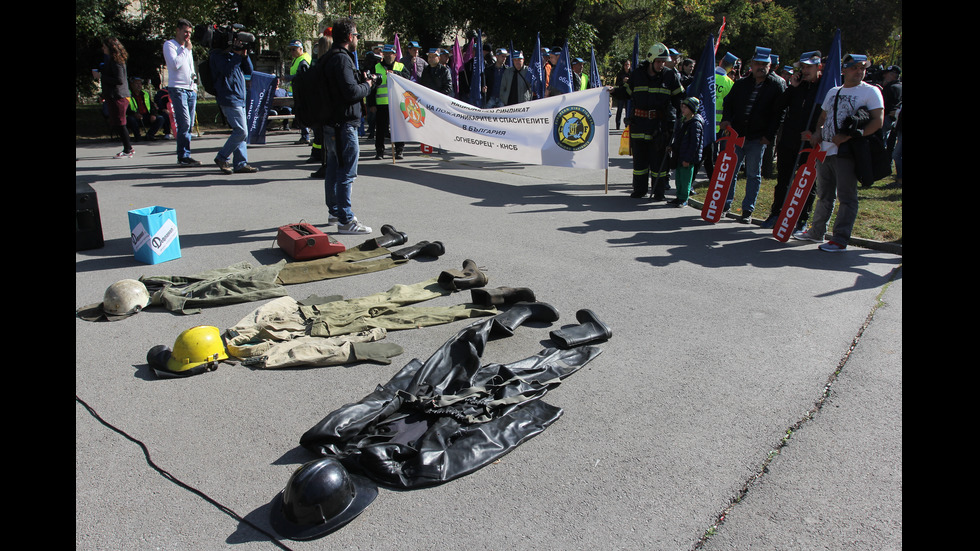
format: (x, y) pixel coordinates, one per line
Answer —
(434, 249)
(471, 276)
(502, 295)
(591, 330)
(390, 237)
(507, 322)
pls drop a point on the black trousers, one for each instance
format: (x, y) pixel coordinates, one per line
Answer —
(650, 163)
(382, 129)
(786, 166)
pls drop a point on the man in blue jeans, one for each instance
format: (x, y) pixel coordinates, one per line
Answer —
(751, 109)
(182, 88)
(347, 89)
(228, 69)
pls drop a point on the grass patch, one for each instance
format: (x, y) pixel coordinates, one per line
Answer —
(879, 207)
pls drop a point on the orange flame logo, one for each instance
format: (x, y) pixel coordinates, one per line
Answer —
(412, 110)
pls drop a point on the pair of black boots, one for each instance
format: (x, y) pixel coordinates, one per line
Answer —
(390, 237)
(525, 308)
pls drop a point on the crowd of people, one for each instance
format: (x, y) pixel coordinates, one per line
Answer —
(775, 110)
(773, 107)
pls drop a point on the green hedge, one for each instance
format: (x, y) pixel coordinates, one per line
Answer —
(89, 122)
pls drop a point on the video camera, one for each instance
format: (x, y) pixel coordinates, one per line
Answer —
(220, 37)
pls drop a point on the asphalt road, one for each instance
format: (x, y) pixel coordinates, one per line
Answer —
(750, 397)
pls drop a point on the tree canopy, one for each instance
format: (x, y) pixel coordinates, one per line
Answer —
(788, 27)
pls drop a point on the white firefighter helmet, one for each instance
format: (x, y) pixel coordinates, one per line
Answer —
(125, 298)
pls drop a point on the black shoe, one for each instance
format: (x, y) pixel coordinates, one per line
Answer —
(246, 169)
(320, 172)
(378, 156)
(745, 217)
(770, 222)
(189, 162)
(399, 155)
(638, 194)
(303, 141)
(659, 197)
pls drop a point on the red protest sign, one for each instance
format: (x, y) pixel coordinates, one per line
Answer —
(796, 198)
(722, 177)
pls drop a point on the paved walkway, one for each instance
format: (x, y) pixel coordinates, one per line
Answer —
(750, 398)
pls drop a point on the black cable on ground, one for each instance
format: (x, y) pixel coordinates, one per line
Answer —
(176, 481)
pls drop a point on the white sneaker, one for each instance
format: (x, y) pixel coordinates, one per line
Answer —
(804, 235)
(353, 227)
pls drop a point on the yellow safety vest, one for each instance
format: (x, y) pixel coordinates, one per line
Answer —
(382, 93)
(294, 68)
(146, 102)
(722, 85)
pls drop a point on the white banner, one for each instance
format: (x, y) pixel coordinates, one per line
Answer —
(567, 130)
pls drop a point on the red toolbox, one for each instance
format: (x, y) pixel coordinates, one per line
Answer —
(304, 241)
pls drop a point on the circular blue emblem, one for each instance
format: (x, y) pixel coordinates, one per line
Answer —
(574, 128)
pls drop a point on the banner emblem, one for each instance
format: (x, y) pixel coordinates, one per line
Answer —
(574, 128)
(412, 110)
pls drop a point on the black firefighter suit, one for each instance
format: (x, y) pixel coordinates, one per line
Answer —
(445, 418)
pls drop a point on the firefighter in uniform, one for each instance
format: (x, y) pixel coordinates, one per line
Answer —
(656, 93)
(378, 101)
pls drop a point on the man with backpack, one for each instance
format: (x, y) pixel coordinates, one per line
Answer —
(346, 87)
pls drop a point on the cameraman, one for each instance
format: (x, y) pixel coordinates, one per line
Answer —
(228, 69)
(347, 89)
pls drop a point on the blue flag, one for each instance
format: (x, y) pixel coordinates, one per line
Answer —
(536, 70)
(476, 77)
(262, 86)
(510, 56)
(636, 52)
(703, 88)
(561, 75)
(831, 71)
(593, 72)
(830, 78)
(634, 64)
